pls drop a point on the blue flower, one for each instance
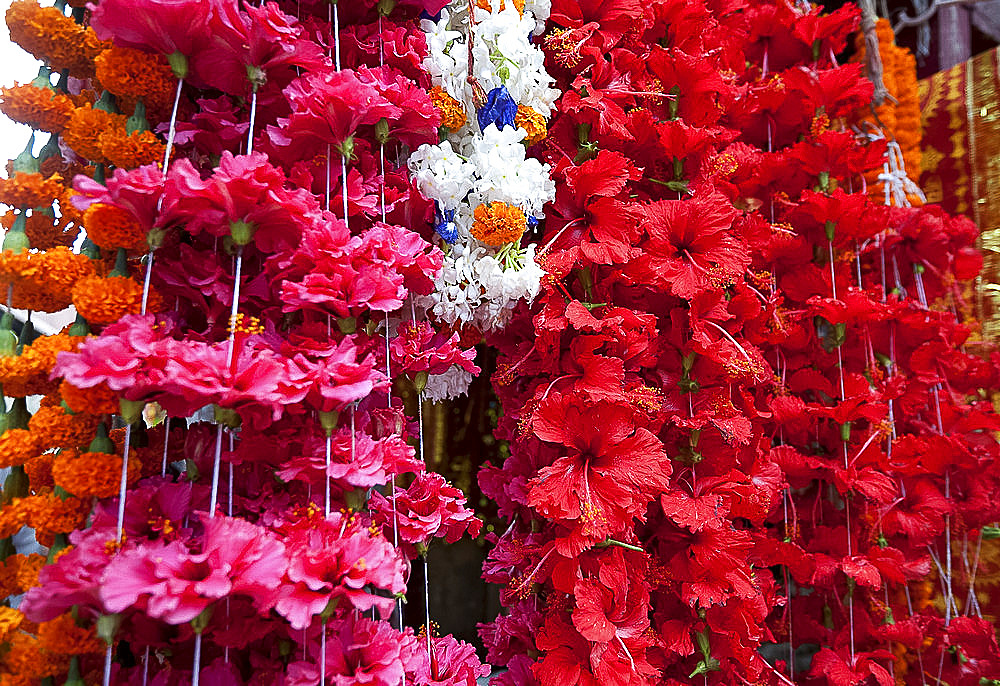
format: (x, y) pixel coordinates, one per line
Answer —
(500, 109)
(444, 224)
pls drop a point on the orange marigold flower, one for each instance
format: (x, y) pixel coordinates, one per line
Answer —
(129, 151)
(136, 74)
(48, 514)
(498, 223)
(56, 428)
(485, 5)
(40, 108)
(532, 122)
(30, 190)
(91, 474)
(451, 110)
(28, 567)
(26, 659)
(17, 446)
(97, 400)
(109, 226)
(106, 300)
(13, 516)
(10, 620)
(46, 232)
(43, 281)
(62, 636)
(86, 127)
(54, 38)
(39, 471)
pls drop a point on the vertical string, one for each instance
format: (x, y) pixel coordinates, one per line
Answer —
(334, 14)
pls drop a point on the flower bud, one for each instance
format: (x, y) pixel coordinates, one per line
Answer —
(242, 231)
(382, 130)
(178, 64)
(16, 239)
(328, 420)
(420, 381)
(131, 410)
(101, 442)
(137, 122)
(26, 162)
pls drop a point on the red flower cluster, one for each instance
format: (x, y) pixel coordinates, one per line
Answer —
(745, 413)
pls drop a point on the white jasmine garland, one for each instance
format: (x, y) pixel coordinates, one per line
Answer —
(481, 284)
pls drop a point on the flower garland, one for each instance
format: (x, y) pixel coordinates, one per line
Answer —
(740, 439)
(494, 94)
(244, 327)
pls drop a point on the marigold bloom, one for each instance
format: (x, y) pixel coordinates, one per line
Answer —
(10, 619)
(54, 38)
(109, 226)
(498, 223)
(85, 129)
(47, 232)
(452, 113)
(30, 190)
(485, 4)
(532, 122)
(91, 474)
(106, 300)
(55, 428)
(128, 151)
(39, 471)
(27, 568)
(62, 636)
(43, 281)
(26, 659)
(136, 74)
(48, 514)
(40, 108)
(97, 400)
(13, 516)
(28, 373)
(17, 446)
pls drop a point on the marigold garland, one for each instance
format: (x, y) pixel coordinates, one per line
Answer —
(46, 232)
(28, 373)
(50, 514)
(498, 223)
(899, 116)
(54, 38)
(40, 108)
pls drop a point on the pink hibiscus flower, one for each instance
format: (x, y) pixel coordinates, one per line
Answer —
(336, 558)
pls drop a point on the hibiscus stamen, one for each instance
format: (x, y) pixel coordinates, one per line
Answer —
(521, 590)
